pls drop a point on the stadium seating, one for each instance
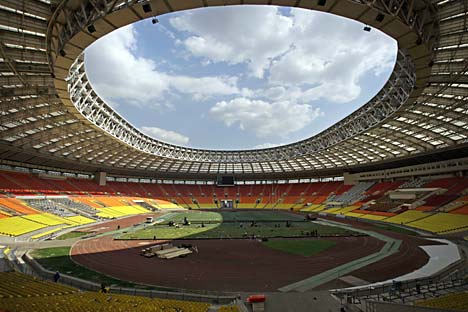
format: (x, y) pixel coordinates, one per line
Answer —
(357, 192)
(374, 215)
(15, 226)
(16, 285)
(79, 220)
(442, 223)
(92, 301)
(461, 210)
(377, 190)
(120, 211)
(19, 292)
(17, 206)
(46, 219)
(343, 210)
(407, 216)
(452, 302)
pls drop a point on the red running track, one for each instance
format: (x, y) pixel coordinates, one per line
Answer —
(242, 265)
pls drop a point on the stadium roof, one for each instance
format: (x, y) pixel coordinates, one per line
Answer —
(52, 117)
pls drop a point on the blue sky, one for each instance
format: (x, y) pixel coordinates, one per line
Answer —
(239, 77)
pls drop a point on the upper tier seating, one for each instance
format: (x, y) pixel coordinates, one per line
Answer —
(379, 189)
(354, 194)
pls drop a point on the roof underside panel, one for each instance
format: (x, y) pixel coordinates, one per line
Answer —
(421, 112)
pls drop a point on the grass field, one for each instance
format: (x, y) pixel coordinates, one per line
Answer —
(58, 259)
(302, 247)
(72, 235)
(230, 216)
(231, 225)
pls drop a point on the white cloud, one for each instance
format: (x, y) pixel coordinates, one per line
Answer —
(118, 74)
(166, 135)
(240, 34)
(267, 145)
(263, 118)
(291, 61)
(324, 56)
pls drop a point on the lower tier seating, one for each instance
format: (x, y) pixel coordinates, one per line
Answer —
(120, 211)
(15, 285)
(19, 292)
(453, 302)
(407, 216)
(16, 226)
(442, 223)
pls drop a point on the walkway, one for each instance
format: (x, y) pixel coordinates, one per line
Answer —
(391, 246)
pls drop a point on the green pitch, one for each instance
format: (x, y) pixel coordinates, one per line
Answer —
(303, 247)
(230, 225)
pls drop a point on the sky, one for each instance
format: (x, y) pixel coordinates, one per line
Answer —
(241, 77)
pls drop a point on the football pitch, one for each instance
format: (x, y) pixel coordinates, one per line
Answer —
(231, 224)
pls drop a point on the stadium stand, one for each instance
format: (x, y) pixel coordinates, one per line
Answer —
(19, 292)
(441, 223)
(452, 302)
(120, 211)
(17, 285)
(16, 205)
(357, 192)
(47, 205)
(15, 226)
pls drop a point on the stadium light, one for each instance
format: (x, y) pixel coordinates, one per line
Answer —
(91, 29)
(367, 28)
(147, 8)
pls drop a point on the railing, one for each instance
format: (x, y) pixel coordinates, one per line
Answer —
(438, 280)
(32, 267)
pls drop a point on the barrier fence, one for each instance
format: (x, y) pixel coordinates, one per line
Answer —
(28, 265)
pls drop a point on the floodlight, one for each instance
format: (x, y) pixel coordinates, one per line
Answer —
(147, 8)
(91, 29)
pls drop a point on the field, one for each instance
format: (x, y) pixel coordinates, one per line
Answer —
(300, 247)
(235, 224)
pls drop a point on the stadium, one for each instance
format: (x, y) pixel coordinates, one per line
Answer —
(370, 214)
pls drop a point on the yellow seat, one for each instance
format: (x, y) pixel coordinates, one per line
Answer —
(15, 226)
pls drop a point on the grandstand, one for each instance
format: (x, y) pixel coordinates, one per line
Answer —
(68, 161)
(22, 293)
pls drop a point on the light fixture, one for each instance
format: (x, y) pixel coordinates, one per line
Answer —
(367, 28)
(91, 29)
(154, 20)
(380, 17)
(321, 2)
(147, 8)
